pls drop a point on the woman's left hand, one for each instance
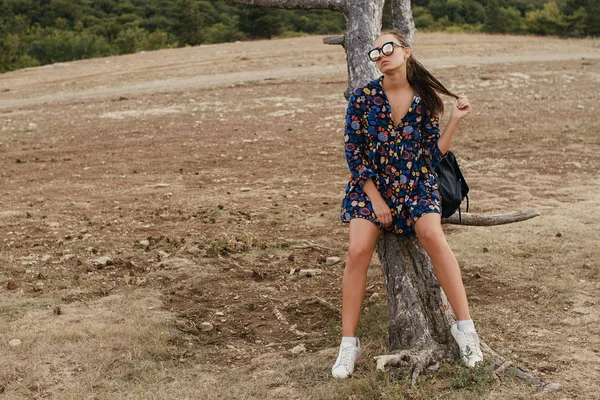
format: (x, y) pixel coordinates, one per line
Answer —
(461, 108)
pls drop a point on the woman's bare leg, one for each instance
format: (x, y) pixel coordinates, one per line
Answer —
(430, 234)
(364, 236)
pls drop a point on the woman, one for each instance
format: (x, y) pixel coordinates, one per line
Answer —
(392, 142)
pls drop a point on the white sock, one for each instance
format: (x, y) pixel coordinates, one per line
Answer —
(350, 339)
(464, 325)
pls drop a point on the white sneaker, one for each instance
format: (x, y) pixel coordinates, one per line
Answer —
(468, 343)
(344, 365)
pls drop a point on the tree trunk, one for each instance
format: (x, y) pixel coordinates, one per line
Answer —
(403, 19)
(419, 312)
(363, 22)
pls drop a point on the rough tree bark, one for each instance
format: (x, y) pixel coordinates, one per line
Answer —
(419, 312)
(402, 19)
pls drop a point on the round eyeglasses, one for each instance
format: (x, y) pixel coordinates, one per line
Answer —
(387, 49)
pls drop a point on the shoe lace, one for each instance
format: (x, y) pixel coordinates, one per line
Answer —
(472, 341)
(345, 354)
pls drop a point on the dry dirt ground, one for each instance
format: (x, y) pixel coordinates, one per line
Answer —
(145, 196)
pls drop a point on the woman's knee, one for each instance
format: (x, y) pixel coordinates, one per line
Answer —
(431, 236)
(364, 235)
(359, 256)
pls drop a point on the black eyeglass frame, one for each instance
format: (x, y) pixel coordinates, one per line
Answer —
(380, 50)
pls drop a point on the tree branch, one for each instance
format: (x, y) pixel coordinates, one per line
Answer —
(490, 220)
(340, 39)
(337, 5)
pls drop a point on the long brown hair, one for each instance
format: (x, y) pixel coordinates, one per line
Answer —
(425, 84)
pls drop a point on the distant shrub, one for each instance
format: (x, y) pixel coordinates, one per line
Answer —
(292, 34)
(219, 33)
(423, 18)
(11, 57)
(60, 46)
(551, 21)
(134, 39)
(464, 28)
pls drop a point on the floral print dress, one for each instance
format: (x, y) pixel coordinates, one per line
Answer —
(396, 157)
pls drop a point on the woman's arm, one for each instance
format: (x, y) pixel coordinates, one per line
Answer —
(461, 108)
(355, 150)
(446, 136)
(355, 143)
(380, 207)
(435, 145)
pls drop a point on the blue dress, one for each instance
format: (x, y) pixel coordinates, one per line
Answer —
(393, 156)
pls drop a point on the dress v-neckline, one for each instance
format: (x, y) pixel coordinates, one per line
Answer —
(387, 102)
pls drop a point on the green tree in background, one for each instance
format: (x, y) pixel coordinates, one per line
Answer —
(258, 22)
(551, 21)
(591, 25)
(502, 19)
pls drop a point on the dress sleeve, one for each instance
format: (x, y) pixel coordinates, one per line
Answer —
(355, 143)
(431, 134)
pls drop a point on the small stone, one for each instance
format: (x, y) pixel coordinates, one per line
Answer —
(291, 257)
(15, 343)
(219, 313)
(32, 126)
(67, 257)
(12, 285)
(486, 250)
(545, 367)
(102, 261)
(245, 189)
(558, 234)
(206, 327)
(301, 348)
(162, 185)
(310, 272)
(332, 260)
(164, 254)
(566, 246)
(193, 250)
(144, 243)
(239, 158)
(580, 106)
(511, 130)
(549, 388)
(45, 258)
(374, 297)
(323, 153)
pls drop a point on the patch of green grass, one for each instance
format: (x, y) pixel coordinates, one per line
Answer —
(478, 377)
(373, 322)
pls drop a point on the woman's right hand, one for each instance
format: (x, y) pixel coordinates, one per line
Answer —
(382, 212)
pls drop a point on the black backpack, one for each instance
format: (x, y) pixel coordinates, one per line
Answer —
(452, 185)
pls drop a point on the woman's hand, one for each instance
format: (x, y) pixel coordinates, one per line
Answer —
(461, 108)
(383, 212)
